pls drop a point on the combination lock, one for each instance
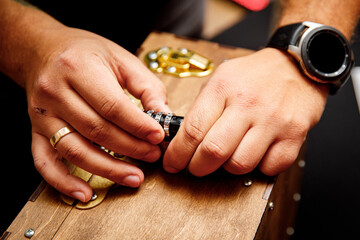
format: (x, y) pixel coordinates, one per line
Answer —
(168, 121)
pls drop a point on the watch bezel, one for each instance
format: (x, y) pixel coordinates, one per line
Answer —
(310, 69)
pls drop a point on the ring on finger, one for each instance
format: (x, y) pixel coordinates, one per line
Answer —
(60, 134)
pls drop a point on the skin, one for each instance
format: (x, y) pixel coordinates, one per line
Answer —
(74, 77)
(257, 110)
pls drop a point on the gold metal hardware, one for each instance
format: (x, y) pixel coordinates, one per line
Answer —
(99, 185)
(181, 62)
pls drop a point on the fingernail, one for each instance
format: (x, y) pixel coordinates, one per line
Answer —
(78, 195)
(132, 181)
(155, 137)
(171, 169)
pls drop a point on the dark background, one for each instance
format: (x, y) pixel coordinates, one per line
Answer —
(329, 206)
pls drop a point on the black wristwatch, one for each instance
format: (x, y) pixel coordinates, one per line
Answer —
(323, 53)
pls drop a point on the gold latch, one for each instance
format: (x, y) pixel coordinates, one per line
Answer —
(99, 185)
(181, 62)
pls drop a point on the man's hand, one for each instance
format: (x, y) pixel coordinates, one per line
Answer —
(254, 111)
(76, 78)
(80, 83)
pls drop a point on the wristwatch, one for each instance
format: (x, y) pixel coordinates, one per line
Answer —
(323, 53)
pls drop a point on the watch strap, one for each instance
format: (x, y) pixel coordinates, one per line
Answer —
(286, 35)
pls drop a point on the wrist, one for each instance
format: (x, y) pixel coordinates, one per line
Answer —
(24, 40)
(291, 69)
(340, 15)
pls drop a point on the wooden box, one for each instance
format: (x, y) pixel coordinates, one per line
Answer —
(167, 206)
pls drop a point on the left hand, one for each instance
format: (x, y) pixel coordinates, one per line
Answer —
(80, 83)
(255, 111)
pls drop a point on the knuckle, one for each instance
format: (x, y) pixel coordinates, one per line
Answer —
(45, 87)
(275, 115)
(221, 88)
(299, 129)
(69, 59)
(109, 108)
(283, 160)
(141, 130)
(98, 133)
(193, 133)
(240, 166)
(292, 126)
(74, 154)
(136, 151)
(109, 173)
(214, 149)
(296, 129)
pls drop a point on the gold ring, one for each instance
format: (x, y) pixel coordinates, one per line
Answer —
(59, 134)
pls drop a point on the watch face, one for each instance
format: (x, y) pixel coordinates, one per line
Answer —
(326, 54)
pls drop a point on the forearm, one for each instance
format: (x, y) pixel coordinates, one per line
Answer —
(342, 15)
(23, 35)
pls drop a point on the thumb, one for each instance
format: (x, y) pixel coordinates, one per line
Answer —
(155, 100)
(144, 85)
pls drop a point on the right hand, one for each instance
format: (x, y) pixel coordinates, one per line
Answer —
(255, 110)
(80, 83)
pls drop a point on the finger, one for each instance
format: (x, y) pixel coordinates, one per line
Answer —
(49, 165)
(193, 130)
(93, 127)
(144, 85)
(250, 151)
(108, 99)
(280, 156)
(81, 152)
(220, 143)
